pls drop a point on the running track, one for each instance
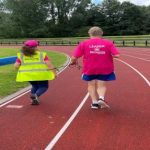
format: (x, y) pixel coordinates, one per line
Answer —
(126, 126)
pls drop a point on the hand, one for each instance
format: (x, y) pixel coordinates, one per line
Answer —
(73, 62)
(56, 75)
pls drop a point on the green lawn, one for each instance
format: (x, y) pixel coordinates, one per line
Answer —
(8, 85)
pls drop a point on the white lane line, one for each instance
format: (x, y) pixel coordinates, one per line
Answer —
(14, 106)
(145, 79)
(137, 50)
(133, 53)
(136, 57)
(63, 129)
(13, 99)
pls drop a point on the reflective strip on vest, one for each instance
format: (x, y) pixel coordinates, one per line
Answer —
(23, 63)
(33, 70)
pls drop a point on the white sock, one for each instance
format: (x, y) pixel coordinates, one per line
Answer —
(94, 101)
(102, 97)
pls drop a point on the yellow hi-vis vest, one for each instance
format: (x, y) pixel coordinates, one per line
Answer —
(33, 68)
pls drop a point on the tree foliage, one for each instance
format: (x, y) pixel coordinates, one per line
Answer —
(59, 18)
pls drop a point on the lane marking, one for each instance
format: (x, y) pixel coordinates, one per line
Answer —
(66, 125)
(136, 50)
(13, 99)
(14, 106)
(138, 72)
(136, 57)
(133, 53)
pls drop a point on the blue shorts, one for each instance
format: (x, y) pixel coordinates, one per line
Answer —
(108, 77)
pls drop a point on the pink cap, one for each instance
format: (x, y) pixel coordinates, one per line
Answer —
(31, 43)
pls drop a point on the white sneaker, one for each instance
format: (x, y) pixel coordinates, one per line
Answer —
(103, 104)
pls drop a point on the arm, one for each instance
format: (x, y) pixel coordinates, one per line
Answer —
(78, 52)
(17, 63)
(73, 60)
(114, 51)
(50, 66)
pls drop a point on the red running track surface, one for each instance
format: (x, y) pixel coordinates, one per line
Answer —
(125, 126)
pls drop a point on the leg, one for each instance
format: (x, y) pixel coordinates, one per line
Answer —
(33, 95)
(34, 86)
(93, 93)
(42, 88)
(92, 90)
(101, 90)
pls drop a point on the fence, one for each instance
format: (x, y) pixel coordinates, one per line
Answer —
(134, 43)
(123, 43)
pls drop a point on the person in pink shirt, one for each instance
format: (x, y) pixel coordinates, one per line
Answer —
(98, 66)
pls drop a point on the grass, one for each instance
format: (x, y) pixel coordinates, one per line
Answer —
(8, 85)
(6, 52)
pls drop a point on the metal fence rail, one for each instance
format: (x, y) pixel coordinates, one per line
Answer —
(135, 43)
(121, 43)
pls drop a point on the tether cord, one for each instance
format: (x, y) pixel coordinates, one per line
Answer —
(68, 64)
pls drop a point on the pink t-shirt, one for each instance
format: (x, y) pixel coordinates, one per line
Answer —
(97, 56)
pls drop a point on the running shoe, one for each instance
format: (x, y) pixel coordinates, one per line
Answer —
(95, 106)
(35, 99)
(102, 104)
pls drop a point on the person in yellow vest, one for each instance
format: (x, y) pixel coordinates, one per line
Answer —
(36, 68)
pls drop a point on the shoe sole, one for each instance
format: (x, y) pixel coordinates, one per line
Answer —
(35, 103)
(103, 104)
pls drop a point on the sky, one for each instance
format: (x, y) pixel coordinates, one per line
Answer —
(137, 2)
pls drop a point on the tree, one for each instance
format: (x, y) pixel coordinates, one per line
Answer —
(59, 18)
(146, 19)
(67, 16)
(95, 17)
(112, 12)
(132, 19)
(6, 24)
(28, 16)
